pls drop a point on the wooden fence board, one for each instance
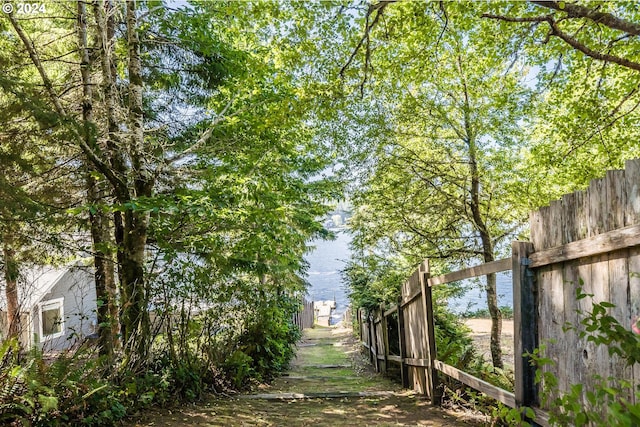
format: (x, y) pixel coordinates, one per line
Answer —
(489, 389)
(584, 347)
(467, 273)
(619, 291)
(410, 298)
(598, 218)
(634, 302)
(615, 183)
(524, 323)
(604, 243)
(572, 354)
(632, 186)
(391, 310)
(402, 344)
(540, 239)
(433, 384)
(416, 362)
(381, 344)
(415, 333)
(572, 210)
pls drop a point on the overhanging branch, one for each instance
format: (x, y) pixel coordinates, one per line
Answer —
(571, 41)
(378, 8)
(578, 11)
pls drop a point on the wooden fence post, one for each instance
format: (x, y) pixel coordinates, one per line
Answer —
(433, 383)
(374, 342)
(404, 368)
(369, 335)
(525, 323)
(385, 338)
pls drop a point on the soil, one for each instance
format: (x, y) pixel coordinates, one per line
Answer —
(328, 363)
(481, 334)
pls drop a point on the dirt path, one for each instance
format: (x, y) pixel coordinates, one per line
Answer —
(326, 386)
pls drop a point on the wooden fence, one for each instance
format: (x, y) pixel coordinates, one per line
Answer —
(590, 239)
(304, 318)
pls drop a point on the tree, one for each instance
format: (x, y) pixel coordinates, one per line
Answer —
(598, 30)
(441, 185)
(31, 182)
(127, 159)
(167, 117)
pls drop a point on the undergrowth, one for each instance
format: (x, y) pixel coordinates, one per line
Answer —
(81, 388)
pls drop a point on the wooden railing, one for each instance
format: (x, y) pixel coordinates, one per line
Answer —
(420, 367)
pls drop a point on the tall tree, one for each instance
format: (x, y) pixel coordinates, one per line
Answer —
(440, 188)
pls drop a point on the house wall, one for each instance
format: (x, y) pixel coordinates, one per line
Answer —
(77, 288)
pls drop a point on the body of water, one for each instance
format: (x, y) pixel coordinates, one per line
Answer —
(476, 297)
(325, 263)
(330, 256)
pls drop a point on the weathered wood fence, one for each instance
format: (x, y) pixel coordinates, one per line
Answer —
(304, 318)
(589, 238)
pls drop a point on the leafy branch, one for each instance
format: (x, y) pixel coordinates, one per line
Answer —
(365, 40)
(577, 11)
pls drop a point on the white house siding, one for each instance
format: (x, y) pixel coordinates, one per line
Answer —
(77, 290)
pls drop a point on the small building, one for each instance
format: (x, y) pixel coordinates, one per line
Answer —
(57, 306)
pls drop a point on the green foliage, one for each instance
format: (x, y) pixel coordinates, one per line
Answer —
(483, 313)
(238, 367)
(453, 339)
(268, 339)
(601, 328)
(373, 280)
(76, 388)
(71, 389)
(513, 416)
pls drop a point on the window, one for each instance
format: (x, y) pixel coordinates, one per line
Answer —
(52, 319)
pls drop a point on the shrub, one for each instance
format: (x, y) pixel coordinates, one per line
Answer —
(268, 340)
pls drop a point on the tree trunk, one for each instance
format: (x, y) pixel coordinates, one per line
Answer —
(488, 256)
(135, 312)
(135, 303)
(481, 226)
(103, 264)
(106, 295)
(11, 273)
(105, 29)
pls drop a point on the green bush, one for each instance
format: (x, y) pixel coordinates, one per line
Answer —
(239, 368)
(268, 340)
(79, 388)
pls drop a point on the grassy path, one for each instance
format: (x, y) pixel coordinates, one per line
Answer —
(324, 387)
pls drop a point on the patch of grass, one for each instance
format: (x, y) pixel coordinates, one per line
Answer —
(483, 313)
(323, 355)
